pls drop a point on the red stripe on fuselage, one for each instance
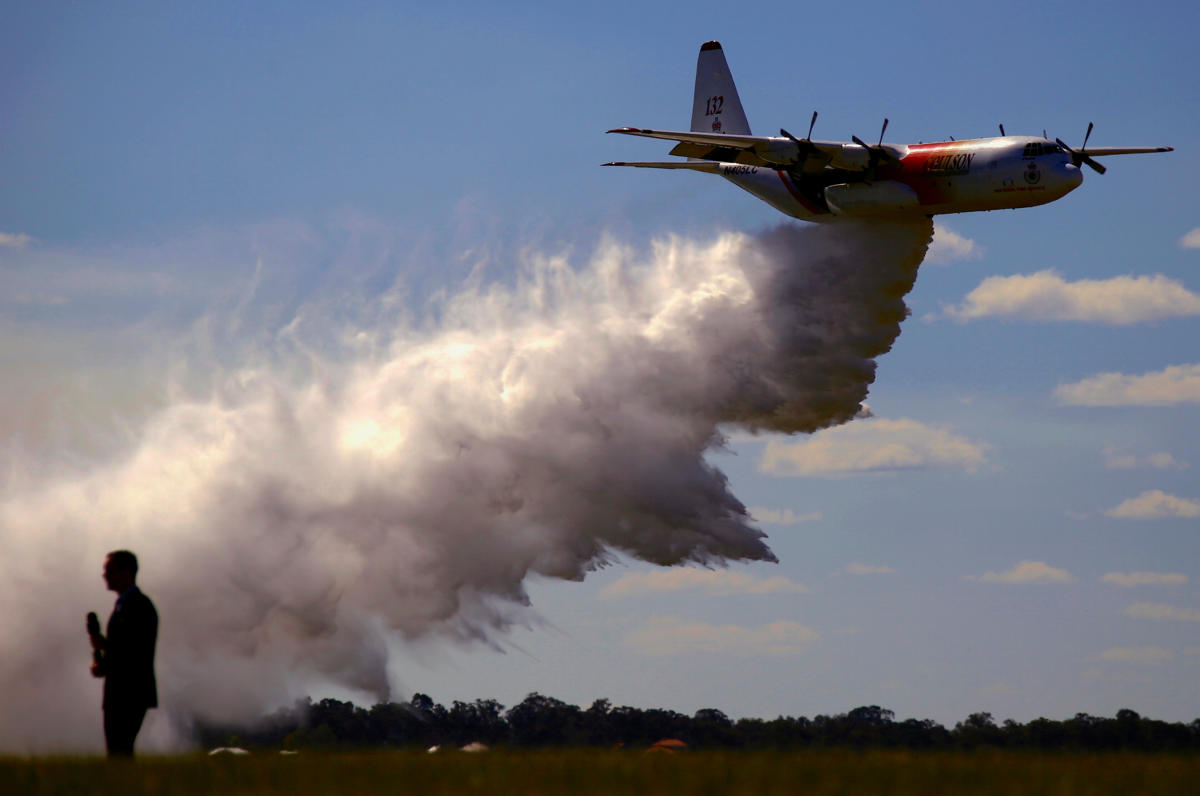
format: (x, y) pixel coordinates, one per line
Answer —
(787, 183)
(932, 186)
(966, 143)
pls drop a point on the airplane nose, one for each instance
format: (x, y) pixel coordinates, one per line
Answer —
(1072, 174)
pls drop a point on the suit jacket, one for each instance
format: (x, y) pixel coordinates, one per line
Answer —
(128, 664)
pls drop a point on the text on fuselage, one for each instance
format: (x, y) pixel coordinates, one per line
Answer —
(944, 165)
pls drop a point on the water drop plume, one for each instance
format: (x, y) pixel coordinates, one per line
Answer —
(290, 526)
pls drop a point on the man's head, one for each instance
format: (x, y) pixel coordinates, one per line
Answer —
(120, 570)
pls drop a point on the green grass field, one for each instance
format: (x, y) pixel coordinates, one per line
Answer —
(617, 772)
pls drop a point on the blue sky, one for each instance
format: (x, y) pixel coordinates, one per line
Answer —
(182, 182)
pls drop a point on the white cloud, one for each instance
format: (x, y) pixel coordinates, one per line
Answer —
(1165, 461)
(669, 636)
(1162, 612)
(1046, 296)
(857, 568)
(872, 445)
(1155, 504)
(1115, 460)
(1177, 384)
(1191, 240)
(718, 582)
(764, 516)
(1145, 578)
(1137, 654)
(18, 240)
(1027, 572)
(948, 246)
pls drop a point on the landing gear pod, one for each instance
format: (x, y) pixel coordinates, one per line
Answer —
(864, 199)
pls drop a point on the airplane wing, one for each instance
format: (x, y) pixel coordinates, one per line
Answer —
(772, 152)
(1084, 155)
(1126, 150)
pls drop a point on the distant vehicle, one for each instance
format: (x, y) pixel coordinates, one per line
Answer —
(825, 180)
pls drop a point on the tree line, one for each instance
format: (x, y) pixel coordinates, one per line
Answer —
(542, 721)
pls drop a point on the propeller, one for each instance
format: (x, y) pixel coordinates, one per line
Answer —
(876, 151)
(1002, 130)
(803, 145)
(1081, 156)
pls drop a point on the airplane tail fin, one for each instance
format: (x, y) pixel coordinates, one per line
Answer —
(716, 107)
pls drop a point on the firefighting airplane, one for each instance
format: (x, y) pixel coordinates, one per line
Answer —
(825, 180)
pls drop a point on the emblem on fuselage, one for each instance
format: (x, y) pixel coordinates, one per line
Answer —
(1032, 175)
(717, 125)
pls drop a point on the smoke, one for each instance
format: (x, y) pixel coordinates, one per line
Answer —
(316, 507)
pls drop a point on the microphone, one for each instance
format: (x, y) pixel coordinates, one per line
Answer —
(93, 629)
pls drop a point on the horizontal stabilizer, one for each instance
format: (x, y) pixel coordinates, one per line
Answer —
(708, 166)
(712, 139)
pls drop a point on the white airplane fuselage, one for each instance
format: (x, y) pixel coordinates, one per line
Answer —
(828, 180)
(929, 179)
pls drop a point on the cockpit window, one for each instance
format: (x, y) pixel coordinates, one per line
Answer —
(1032, 150)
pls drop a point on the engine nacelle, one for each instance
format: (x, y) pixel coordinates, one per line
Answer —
(863, 199)
(779, 152)
(851, 157)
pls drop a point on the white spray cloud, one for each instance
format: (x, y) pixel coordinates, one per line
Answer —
(319, 505)
(1046, 296)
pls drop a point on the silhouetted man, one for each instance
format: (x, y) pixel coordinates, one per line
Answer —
(125, 658)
